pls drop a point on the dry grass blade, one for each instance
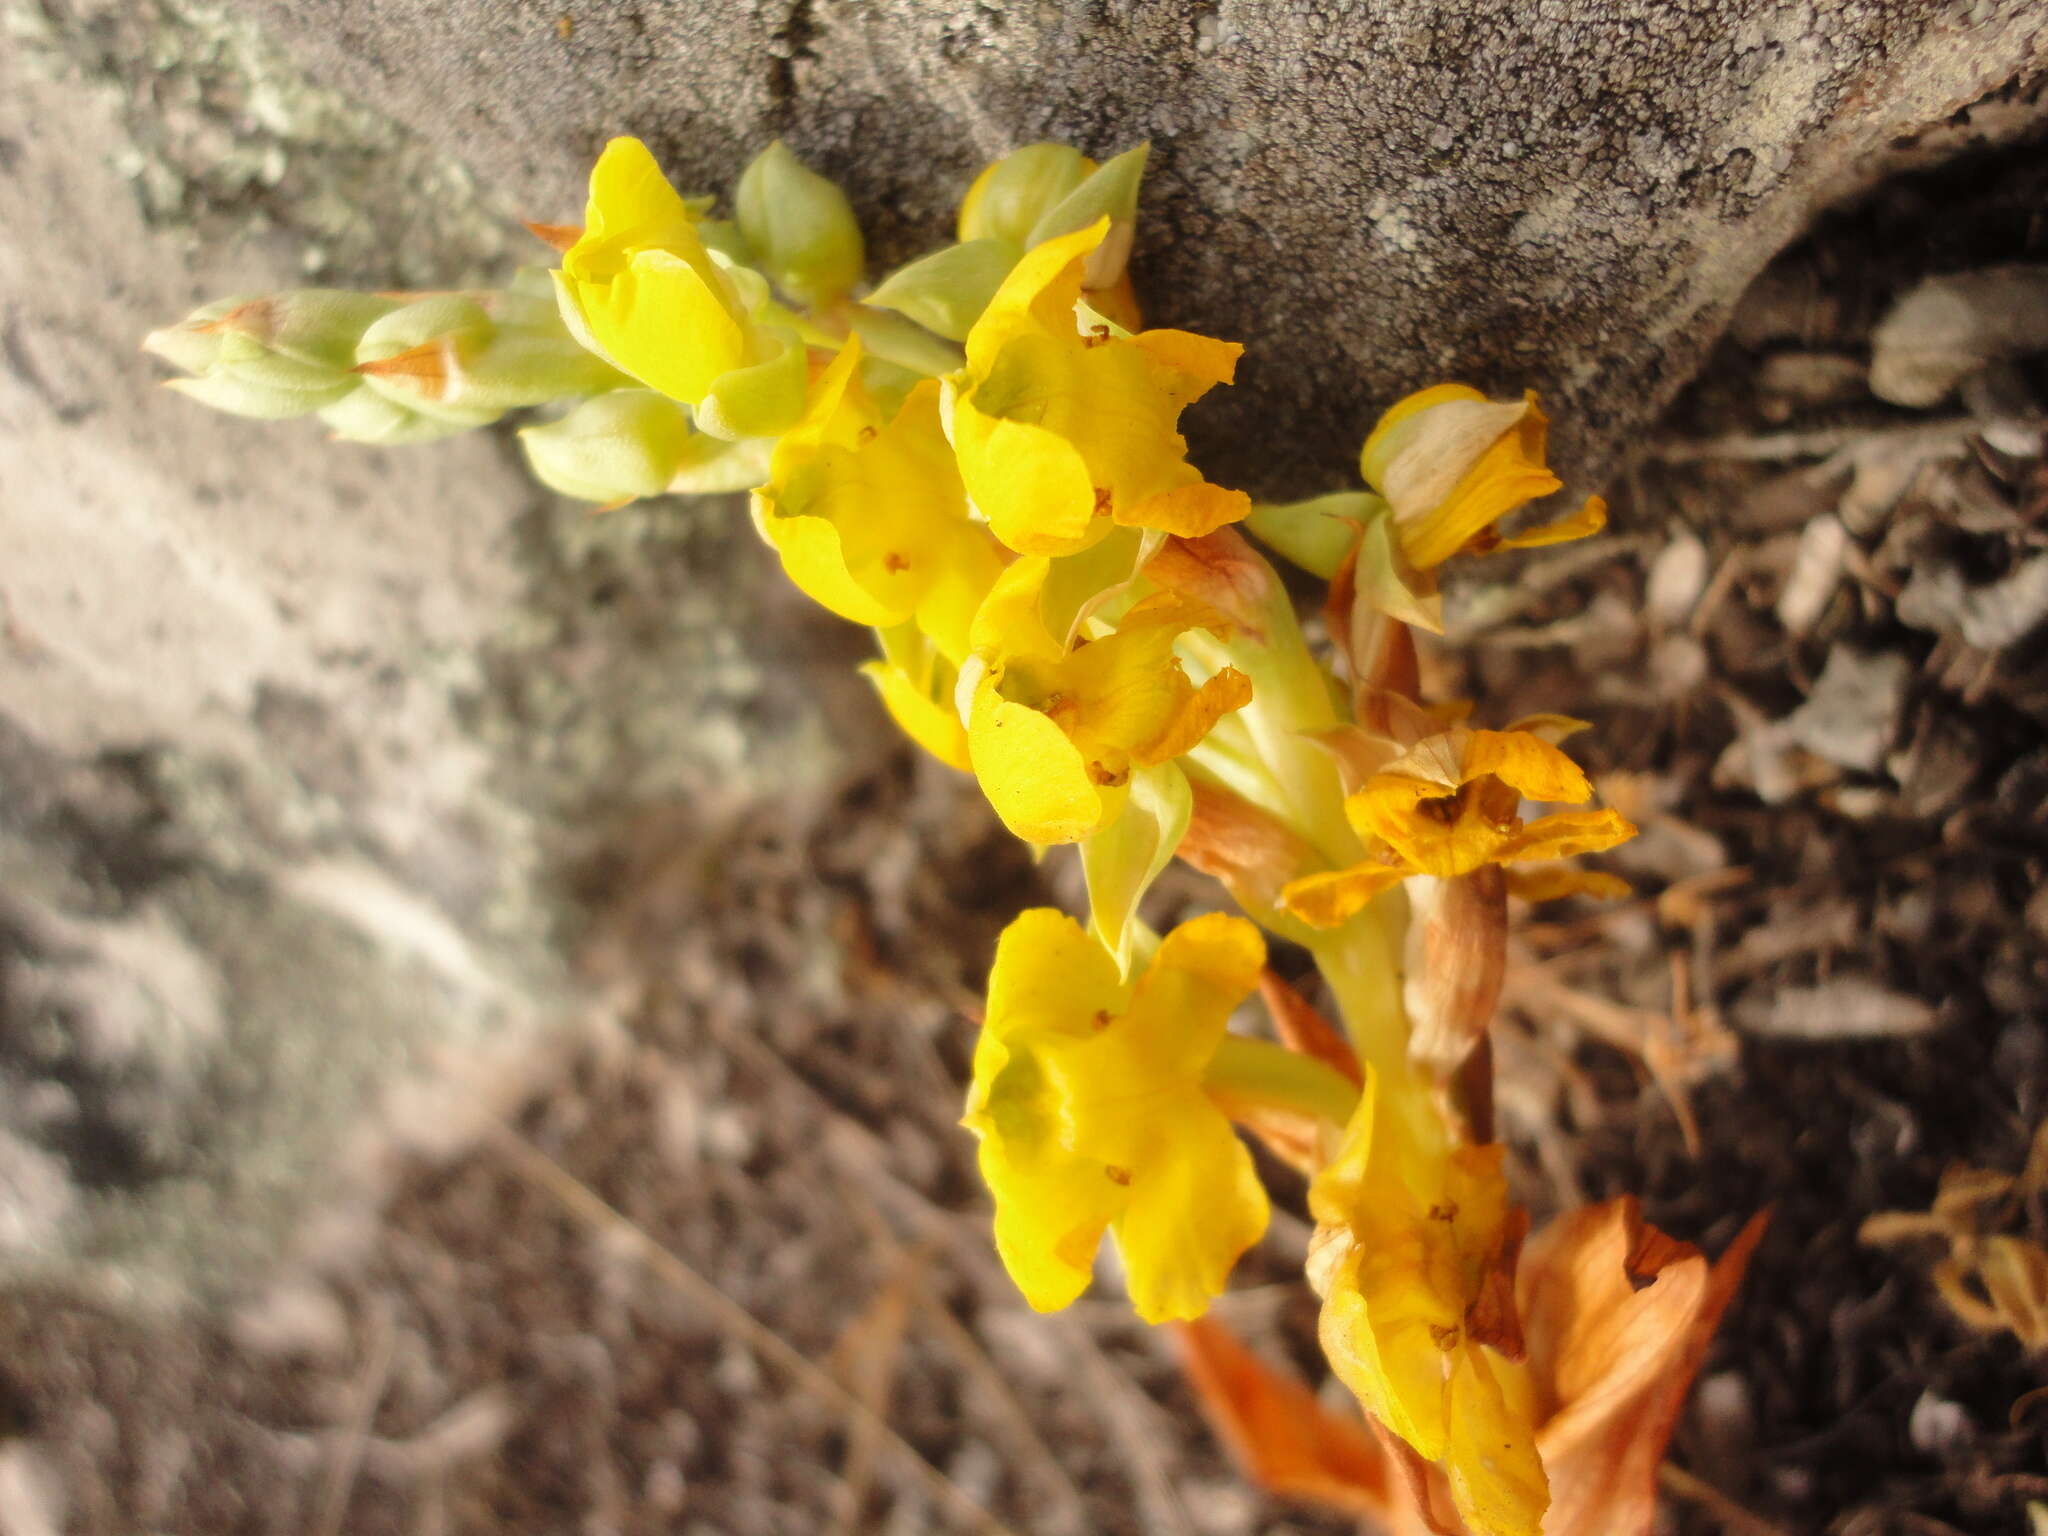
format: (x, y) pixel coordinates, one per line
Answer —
(1066, 1512)
(874, 1350)
(581, 1200)
(355, 1432)
(1123, 1407)
(1734, 1519)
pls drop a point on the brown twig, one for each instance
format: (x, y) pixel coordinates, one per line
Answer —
(1734, 1518)
(1067, 1510)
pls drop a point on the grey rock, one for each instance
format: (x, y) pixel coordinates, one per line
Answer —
(1569, 194)
(293, 735)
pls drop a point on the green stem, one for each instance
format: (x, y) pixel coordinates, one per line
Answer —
(1250, 1074)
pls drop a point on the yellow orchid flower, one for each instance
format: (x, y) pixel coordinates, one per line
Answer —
(1054, 733)
(868, 515)
(1089, 1107)
(1414, 1257)
(1452, 463)
(640, 288)
(1065, 429)
(1451, 804)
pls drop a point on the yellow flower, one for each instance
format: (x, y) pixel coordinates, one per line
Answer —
(1063, 431)
(868, 515)
(1414, 1257)
(640, 288)
(1451, 463)
(1451, 804)
(1055, 732)
(1089, 1106)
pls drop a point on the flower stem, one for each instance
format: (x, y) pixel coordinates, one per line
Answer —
(1259, 1074)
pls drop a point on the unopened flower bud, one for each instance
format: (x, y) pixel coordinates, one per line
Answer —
(270, 358)
(947, 290)
(364, 415)
(799, 225)
(470, 358)
(1011, 194)
(612, 448)
(1111, 190)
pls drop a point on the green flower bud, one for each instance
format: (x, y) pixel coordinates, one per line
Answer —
(800, 225)
(364, 415)
(611, 448)
(638, 442)
(1112, 190)
(763, 399)
(1010, 196)
(270, 358)
(947, 290)
(259, 401)
(468, 358)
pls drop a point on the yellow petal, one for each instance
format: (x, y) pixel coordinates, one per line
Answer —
(1565, 834)
(1584, 523)
(929, 722)
(1182, 1005)
(665, 322)
(1324, 900)
(1228, 690)
(643, 287)
(1379, 1328)
(1049, 974)
(1193, 1210)
(1034, 777)
(1202, 360)
(1187, 511)
(1060, 435)
(1495, 1474)
(1451, 462)
(1052, 1204)
(1031, 484)
(1556, 881)
(1525, 762)
(1010, 621)
(630, 200)
(869, 517)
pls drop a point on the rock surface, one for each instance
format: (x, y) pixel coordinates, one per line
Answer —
(1566, 195)
(289, 730)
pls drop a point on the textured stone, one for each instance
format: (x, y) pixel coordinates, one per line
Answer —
(1565, 194)
(292, 733)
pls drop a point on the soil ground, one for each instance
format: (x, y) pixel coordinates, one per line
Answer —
(1831, 985)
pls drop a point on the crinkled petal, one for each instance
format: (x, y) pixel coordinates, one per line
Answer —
(1565, 834)
(929, 722)
(1193, 1210)
(1228, 690)
(1186, 511)
(1526, 763)
(1582, 524)
(1326, 899)
(1556, 881)
(1033, 775)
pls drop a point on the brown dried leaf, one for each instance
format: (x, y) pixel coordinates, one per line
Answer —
(1282, 1437)
(1614, 1363)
